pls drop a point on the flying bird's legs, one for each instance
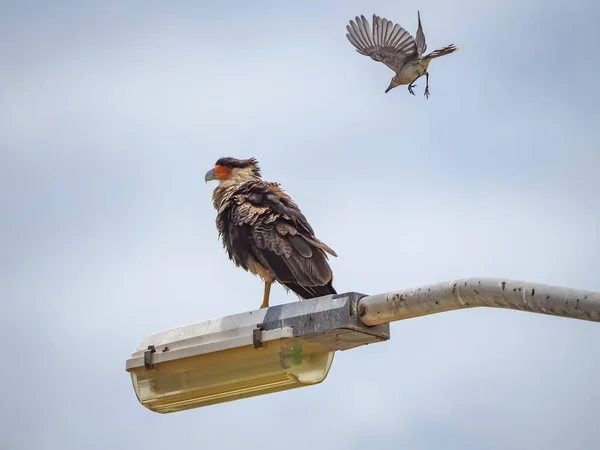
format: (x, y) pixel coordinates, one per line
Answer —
(412, 85)
(427, 85)
(265, 303)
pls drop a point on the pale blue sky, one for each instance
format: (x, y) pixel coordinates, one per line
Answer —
(110, 115)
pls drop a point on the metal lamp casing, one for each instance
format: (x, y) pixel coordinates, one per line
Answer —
(248, 354)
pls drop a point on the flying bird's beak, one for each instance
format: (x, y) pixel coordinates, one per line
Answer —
(211, 175)
(389, 88)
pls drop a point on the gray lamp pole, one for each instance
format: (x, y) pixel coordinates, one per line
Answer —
(292, 345)
(474, 292)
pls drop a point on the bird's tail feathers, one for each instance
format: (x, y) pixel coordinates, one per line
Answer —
(442, 51)
(307, 292)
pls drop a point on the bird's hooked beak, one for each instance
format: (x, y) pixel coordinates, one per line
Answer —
(218, 173)
(211, 175)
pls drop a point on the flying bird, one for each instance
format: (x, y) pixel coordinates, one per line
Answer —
(392, 45)
(265, 233)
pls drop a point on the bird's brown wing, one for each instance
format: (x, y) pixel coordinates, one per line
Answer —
(278, 235)
(388, 43)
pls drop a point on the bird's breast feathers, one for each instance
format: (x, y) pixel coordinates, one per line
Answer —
(410, 72)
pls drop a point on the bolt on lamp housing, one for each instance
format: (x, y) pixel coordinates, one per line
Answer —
(248, 354)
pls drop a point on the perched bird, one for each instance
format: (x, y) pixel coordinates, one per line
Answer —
(392, 45)
(265, 233)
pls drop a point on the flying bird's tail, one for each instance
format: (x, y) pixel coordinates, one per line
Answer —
(442, 51)
(307, 292)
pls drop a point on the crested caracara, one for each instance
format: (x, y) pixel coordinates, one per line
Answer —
(265, 233)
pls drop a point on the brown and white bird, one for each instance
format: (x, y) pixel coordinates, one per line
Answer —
(265, 233)
(392, 45)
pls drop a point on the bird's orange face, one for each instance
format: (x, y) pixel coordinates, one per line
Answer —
(230, 171)
(219, 173)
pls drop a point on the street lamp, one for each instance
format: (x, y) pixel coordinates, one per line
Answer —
(248, 354)
(292, 345)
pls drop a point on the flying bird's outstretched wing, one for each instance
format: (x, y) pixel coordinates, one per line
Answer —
(388, 43)
(420, 37)
(267, 225)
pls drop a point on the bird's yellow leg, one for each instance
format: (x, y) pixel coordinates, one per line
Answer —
(265, 303)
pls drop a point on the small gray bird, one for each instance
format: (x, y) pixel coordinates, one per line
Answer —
(392, 45)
